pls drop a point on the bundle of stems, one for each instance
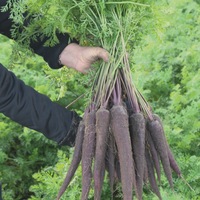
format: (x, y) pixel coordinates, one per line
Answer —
(119, 134)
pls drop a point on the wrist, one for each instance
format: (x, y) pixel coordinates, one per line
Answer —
(68, 55)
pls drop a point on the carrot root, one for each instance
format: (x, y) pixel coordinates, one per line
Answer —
(158, 137)
(88, 154)
(154, 154)
(151, 175)
(75, 160)
(137, 131)
(120, 129)
(102, 130)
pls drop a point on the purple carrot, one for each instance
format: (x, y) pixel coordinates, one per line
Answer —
(137, 132)
(151, 174)
(102, 130)
(75, 160)
(120, 129)
(88, 154)
(154, 154)
(172, 160)
(158, 138)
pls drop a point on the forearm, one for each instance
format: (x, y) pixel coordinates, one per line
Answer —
(50, 54)
(26, 106)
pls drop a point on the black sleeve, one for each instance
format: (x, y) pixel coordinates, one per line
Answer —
(26, 106)
(50, 54)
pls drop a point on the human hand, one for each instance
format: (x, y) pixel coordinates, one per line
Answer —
(80, 58)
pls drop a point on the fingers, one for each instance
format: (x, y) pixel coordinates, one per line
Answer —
(89, 56)
(81, 58)
(102, 54)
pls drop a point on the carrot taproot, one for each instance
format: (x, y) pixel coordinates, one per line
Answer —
(172, 160)
(137, 133)
(151, 174)
(75, 160)
(88, 153)
(154, 154)
(102, 130)
(158, 138)
(120, 129)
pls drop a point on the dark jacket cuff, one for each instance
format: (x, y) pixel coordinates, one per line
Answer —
(70, 137)
(50, 54)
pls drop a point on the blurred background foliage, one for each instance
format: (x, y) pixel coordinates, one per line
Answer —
(165, 62)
